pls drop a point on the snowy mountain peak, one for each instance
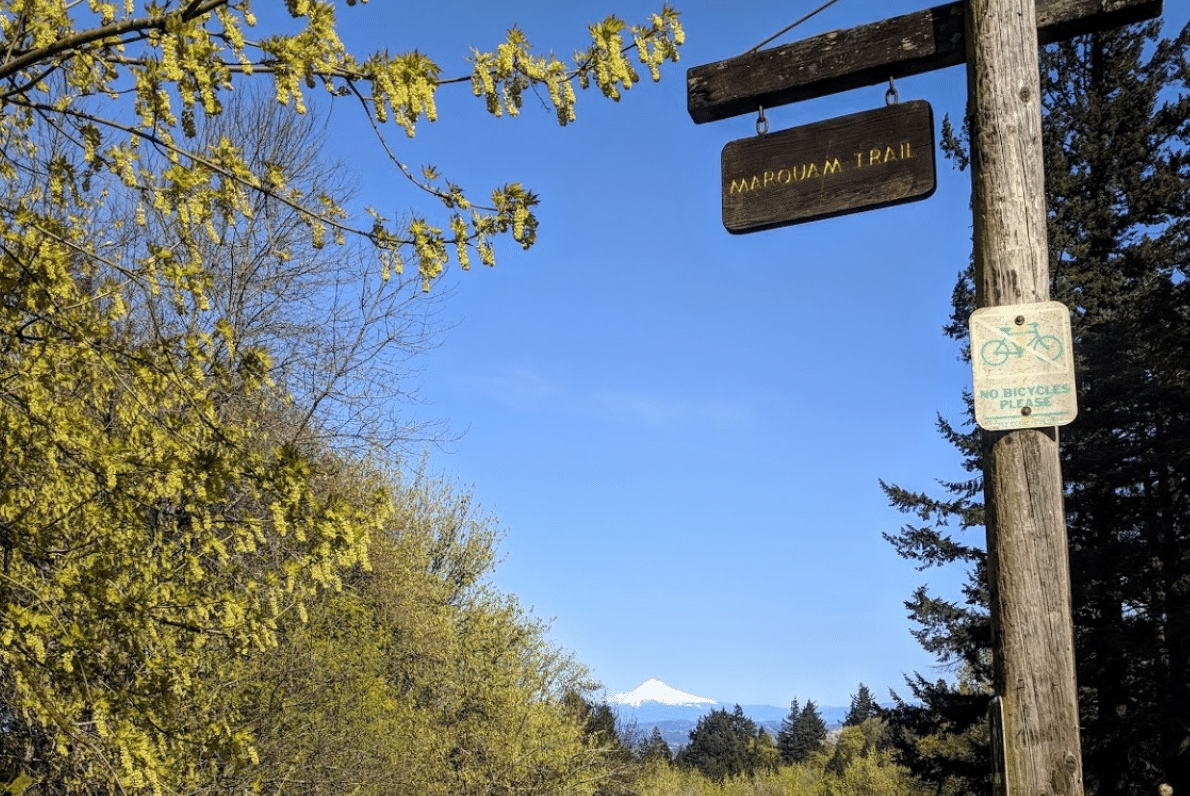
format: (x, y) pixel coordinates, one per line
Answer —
(657, 691)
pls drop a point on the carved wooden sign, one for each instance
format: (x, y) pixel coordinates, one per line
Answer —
(843, 165)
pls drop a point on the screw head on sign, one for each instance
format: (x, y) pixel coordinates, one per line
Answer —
(1028, 410)
(1020, 320)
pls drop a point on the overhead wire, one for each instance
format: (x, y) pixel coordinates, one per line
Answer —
(793, 25)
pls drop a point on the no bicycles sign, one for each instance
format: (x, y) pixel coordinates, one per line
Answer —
(1023, 366)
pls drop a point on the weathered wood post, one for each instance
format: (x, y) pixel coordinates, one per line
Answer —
(1038, 750)
(1035, 712)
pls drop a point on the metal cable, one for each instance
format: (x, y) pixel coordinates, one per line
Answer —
(785, 30)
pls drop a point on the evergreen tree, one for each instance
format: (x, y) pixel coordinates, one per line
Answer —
(803, 732)
(863, 707)
(809, 734)
(942, 736)
(656, 748)
(722, 745)
(1118, 129)
(600, 724)
(1116, 133)
(788, 731)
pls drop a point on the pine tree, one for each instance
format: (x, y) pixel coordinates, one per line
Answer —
(1117, 130)
(723, 745)
(863, 707)
(1119, 196)
(809, 734)
(656, 748)
(788, 732)
(942, 735)
(803, 732)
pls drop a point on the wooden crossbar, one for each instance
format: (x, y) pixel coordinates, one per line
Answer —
(869, 54)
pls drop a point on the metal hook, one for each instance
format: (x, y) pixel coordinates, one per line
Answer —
(892, 96)
(762, 124)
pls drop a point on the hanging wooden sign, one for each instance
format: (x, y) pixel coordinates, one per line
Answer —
(843, 165)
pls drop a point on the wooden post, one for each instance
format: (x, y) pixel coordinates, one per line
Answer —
(1034, 716)
(1028, 568)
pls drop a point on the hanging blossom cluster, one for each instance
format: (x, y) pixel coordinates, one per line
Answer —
(177, 61)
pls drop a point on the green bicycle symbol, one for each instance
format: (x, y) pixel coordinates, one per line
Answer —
(995, 353)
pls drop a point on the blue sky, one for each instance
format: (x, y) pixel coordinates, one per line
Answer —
(682, 430)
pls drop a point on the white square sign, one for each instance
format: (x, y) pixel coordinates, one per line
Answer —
(1022, 362)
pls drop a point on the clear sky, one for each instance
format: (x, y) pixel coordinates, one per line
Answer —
(682, 430)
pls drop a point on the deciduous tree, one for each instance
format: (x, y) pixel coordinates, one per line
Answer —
(862, 763)
(175, 64)
(155, 515)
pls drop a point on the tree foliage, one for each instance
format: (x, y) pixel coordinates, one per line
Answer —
(863, 707)
(126, 89)
(802, 734)
(726, 745)
(415, 677)
(1116, 136)
(420, 678)
(1119, 127)
(853, 761)
(788, 731)
(183, 525)
(655, 749)
(150, 453)
(607, 742)
(942, 735)
(862, 762)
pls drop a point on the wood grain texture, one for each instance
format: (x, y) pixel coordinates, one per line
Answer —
(869, 54)
(1028, 566)
(843, 165)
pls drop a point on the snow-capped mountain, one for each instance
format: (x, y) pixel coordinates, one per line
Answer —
(675, 713)
(655, 704)
(657, 691)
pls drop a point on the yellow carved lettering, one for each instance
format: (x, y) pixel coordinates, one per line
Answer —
(889, 154)
(859, 160)
(792, 174)
(906, 151)
(874, 157)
